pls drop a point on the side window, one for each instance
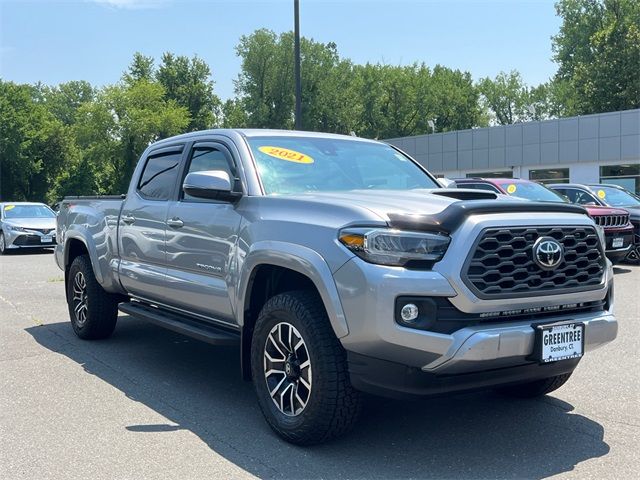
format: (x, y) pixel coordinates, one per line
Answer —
(564, 193)
(159, 176)
(208, 158)
(479, 186)
(486, 186)
(583, 198)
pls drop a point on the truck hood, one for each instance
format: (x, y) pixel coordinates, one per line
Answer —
(598, 210)
(437, 209)
(385, 202)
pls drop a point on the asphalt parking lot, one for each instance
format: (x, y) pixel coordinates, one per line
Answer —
(149, 403)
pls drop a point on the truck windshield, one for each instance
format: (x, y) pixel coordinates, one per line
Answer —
(28, 211)
(532, 191)
(288, 165)
(616, 197)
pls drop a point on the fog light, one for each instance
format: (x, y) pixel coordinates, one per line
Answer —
(409, 312)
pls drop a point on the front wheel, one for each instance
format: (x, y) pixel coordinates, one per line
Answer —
(3, 244)
(93, 311)
(300, 371)
(536, 388)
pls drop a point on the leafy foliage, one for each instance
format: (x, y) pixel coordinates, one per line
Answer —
(598, 55)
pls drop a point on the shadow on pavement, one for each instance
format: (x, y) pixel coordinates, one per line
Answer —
(29, 251)
(618, 270)
(197, 387)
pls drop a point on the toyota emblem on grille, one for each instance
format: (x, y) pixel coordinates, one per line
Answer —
(547, 253)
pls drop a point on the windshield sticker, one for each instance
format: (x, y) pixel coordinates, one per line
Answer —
(9, 207)
(511, 188)
(286, 154)
(601, 193)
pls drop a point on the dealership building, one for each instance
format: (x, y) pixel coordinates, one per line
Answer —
(601, 148)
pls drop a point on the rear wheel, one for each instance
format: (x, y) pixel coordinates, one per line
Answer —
(536, 388)
(93, 311)
(300, 372)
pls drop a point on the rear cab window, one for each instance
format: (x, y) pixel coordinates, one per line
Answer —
(160, 174)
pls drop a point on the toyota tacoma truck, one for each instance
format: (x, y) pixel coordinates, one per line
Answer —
(338, 265)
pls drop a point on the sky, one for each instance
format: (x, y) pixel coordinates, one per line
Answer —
(54, 41)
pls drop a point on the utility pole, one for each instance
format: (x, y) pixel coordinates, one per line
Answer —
(296, 64)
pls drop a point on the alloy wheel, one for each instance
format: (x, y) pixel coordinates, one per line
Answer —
(287, 369)
(80, 298)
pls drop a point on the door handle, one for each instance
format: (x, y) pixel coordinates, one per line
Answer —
(128, 219)
(175, 222)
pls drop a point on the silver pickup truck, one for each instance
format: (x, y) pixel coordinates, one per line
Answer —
(338, 265)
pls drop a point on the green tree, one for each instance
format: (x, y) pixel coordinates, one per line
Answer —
(233, 114)
(64, 100)
(265, 83)
(401, 101)
(34, 145)
(188, 82)
(117, 127)
(598, 55)
(141, 68)
(510, 100)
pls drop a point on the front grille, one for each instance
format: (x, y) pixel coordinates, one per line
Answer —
(501, 264)
(611, 220)
(44, 231)
(31, 241)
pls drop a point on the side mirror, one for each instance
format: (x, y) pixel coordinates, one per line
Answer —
(210, 184)
(591, 204)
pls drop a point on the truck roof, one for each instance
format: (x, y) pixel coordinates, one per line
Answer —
(260, 132)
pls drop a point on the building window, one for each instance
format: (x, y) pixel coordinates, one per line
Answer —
(499, 174)
(550, 175)
(626, 175)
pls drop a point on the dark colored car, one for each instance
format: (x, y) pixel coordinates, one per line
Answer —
(610, 196)
(618, 231)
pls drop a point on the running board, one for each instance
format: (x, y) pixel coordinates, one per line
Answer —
(181, 324)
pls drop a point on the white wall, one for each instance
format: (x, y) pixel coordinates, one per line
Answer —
(578, 172)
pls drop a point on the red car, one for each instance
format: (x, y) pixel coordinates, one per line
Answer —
(618, 230)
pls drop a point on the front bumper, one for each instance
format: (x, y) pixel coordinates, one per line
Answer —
(619, 253)
(368, 294)
(389, 359)
(29, 239)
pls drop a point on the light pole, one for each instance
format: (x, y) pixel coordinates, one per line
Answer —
(296, 64)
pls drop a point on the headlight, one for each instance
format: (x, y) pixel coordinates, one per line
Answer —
(394, 247)
(15, 229)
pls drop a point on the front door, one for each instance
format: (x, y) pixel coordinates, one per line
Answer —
(201, 241)
(143, 225)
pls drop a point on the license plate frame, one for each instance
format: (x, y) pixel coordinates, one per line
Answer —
(617, 242)
(46, 239)
(555, 350)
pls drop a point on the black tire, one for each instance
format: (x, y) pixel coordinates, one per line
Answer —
(536, 388)
(97, 318)
(333, 405)
(3, 250)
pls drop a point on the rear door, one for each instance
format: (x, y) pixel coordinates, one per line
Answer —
(142, 228)
(201, 240)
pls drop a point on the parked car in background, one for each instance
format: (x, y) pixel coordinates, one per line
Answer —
(26, 225)
(610, 196)
(618, 231)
